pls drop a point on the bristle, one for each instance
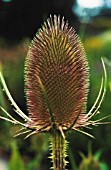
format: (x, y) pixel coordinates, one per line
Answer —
(57, 57)
(62, 24)
(58, 21)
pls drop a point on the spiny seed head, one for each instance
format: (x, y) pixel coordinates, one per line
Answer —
(56, 75)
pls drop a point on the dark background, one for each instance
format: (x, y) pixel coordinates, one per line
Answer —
(19, 19)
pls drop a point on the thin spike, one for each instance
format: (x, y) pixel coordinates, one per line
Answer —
(62, 24)
(55, 24)
(98, 120)
(96, 101)
(21, 133)
(61, 131)
(34, 132)
(103, 86)
(83, 132)
(20, 113)
(58, 21)
(11, 118)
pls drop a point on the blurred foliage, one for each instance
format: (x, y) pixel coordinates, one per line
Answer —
(101, 23)
(92, 162)
(12, 61)
(39, 145)
(19, 161)
(16, 161)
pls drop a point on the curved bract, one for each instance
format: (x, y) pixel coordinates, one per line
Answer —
(56, 86)
(56, 76)
(56, 83)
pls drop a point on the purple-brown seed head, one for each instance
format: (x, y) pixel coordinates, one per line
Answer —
(56, 60)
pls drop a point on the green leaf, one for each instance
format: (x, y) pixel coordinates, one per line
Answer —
(104, 166)
(16, 161)
(98, 154)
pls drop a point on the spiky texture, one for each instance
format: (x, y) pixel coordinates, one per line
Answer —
(56, 83)
(58, 147)
(56, 61)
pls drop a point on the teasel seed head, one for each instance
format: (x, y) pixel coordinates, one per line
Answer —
(56, 83)
(56, 76)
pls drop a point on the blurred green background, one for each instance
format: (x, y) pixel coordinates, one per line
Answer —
(19, 21)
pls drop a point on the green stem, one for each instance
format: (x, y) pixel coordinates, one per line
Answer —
(58, 155)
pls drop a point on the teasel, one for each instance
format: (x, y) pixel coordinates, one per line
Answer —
(56, 86)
